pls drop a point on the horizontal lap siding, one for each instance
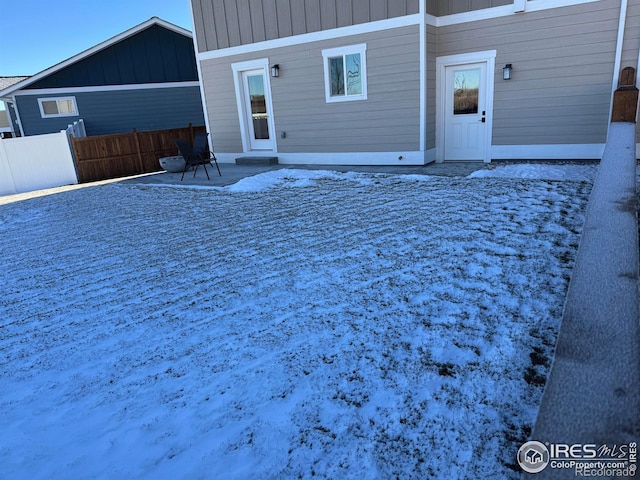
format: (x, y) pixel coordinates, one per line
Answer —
(229, 23)
(222, 109)
(563, 62)
(387, 121)
(119, 111)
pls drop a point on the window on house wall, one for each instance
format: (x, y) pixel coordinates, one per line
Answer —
(345, 73)
(58, 107)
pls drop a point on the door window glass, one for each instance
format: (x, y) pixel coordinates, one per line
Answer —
(258, 107)
(466, 86)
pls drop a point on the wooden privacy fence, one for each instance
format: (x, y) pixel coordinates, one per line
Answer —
(124, 154)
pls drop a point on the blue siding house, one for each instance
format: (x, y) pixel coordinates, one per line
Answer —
(145, 78)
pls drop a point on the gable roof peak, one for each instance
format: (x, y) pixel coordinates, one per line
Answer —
(26, 81)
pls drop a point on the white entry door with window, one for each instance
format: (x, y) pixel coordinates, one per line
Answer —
(465, 106)
(466, 112)
(257, 110)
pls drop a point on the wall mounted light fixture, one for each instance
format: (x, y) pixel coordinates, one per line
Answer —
(506, 72)
(275, 70)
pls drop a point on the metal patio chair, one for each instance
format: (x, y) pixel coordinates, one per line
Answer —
(201, 147)
(191, 157)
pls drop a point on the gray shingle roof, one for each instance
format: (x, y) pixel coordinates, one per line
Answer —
(6, 82)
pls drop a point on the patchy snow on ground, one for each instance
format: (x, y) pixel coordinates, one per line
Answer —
(539, 171)
(298, 324)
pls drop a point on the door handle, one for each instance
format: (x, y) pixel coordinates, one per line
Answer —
(483, 120)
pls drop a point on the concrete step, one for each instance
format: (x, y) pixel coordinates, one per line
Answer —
(257, 161)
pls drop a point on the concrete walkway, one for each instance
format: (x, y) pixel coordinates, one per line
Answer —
(233, 173)
(592, 395)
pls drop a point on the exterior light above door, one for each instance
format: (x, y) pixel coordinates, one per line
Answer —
(275, 70)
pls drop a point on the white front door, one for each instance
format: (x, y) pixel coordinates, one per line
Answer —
(257, 101)
(465, 115)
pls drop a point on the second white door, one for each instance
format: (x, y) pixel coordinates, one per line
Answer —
(465, 119)
(256, 103)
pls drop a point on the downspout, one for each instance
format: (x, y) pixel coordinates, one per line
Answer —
(203, 98)
(618, 58)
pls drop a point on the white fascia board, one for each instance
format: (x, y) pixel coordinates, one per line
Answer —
(106, 88)
(381, 25)
(95, 49)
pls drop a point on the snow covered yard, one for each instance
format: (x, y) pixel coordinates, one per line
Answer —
(298, 324)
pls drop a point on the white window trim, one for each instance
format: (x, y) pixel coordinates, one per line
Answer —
(57, 99)
(342, 51)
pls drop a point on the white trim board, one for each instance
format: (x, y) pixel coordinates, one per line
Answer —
(398, 22)
(105, 88)
(498, 152)
(203, 96)
(548, 152)
(380, 25)
(411, 158)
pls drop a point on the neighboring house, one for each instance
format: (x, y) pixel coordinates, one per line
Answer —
(412, 81)
(145, 78)
(8, 121)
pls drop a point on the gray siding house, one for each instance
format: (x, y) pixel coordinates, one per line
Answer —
(145, 78)
(411, 81)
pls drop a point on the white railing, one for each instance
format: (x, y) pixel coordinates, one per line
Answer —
(35, 162)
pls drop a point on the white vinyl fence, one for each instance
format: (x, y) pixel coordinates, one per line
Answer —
(35, 162)
(77, 129)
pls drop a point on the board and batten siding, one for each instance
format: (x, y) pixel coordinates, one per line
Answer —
(119, 111)
(563, 61)
(229, 23)
(389, 120)
(154, 55)
(450, 7)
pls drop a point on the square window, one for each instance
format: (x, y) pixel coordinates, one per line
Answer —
(345, 73)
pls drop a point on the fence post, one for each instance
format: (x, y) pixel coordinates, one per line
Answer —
(625, 98)
(191, 134)
(138, 151)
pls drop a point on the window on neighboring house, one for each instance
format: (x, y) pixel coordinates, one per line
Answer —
(58, 107)
(345, 73)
